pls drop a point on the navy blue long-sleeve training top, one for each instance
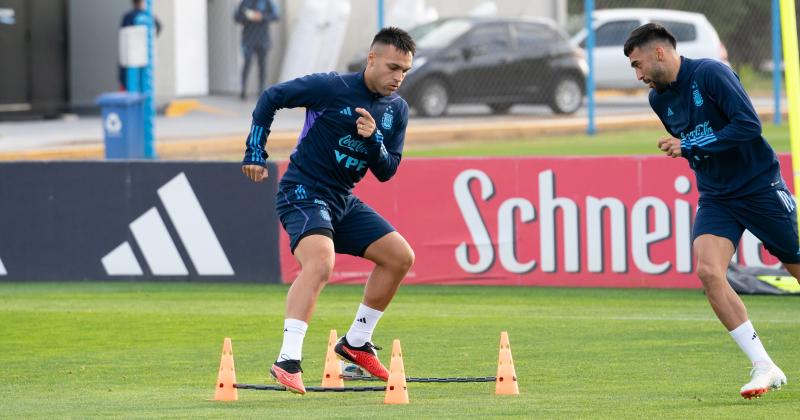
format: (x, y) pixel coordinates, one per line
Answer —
(330, 153)
(709, 111)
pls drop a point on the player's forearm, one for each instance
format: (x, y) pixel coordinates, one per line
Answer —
(733, 135)
(382, 163)
(385, 172)
(255, 145)
(255, 152)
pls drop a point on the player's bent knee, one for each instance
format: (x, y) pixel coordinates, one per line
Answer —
(319, 266)
(320, 272)
(402, 261)
(407, 260)
(402, 257)
(711, 277)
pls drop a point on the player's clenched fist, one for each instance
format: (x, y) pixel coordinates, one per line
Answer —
(256, 173)
(670, 146)
(365, 124)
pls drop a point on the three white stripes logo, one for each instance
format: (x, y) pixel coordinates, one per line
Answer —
(157, 247)
(788, 201)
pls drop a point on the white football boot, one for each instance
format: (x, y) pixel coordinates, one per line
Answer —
(765, 376)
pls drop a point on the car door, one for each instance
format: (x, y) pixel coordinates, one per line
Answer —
(612, 69)
(485, 68)
(536, 45)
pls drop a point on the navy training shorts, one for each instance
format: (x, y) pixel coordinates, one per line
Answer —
(353, 225)
(771, 216)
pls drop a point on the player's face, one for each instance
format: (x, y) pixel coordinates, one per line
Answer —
(648, 63)
(386, 68)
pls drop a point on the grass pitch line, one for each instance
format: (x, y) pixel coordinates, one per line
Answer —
(396, 389)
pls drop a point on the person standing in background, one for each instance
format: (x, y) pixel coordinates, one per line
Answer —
(136, 16)
(255, 17)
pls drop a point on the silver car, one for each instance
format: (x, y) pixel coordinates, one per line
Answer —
(696, 38)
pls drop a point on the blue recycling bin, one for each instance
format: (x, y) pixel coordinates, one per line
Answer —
(123, 124)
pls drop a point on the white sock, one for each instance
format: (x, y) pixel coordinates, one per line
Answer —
(363, 325)
(747, 339)
(294, 330)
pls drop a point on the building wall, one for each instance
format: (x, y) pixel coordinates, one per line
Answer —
(199, 51)
(225, 58)
(94, 50)
(165, 50)
(363, 21)
(224, 55)
(191, 47)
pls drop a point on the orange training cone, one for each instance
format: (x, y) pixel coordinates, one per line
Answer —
(396, 389)
(506, 382)
(332, 375)
(227, 375)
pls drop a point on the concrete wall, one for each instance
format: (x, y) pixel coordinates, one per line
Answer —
(198, 50)
(182, 53)
(165, 51)
(225, 59)
(363, 21)
(94, 50)
(224, 56)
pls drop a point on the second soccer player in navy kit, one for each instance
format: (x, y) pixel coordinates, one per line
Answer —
(713, 125)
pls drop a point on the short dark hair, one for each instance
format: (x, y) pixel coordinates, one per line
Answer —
(397, 37)
(647, 33)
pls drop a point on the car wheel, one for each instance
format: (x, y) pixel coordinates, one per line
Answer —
(500, 108)
(432, 98)
(566, 97)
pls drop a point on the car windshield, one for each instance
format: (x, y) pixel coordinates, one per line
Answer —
(439, 34)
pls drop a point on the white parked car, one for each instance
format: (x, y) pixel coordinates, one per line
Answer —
(696, 38)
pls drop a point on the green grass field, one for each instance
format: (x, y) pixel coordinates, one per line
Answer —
(634, 142)
(147, 350)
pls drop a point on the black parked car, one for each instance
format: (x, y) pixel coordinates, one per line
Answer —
(498, 62)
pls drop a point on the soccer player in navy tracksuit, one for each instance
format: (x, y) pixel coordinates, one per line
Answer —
(712, 124)
(354, 123)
